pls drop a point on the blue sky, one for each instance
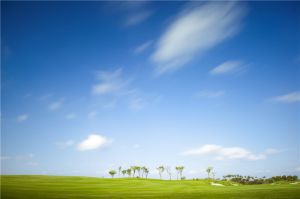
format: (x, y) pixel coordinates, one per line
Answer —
(90, 86)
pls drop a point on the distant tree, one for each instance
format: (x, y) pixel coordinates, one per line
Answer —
(112, 173)
(169, 172)
(146, 172)
(143, 170)
(179, 170)
(120, 169)
(124, 172)
(129, 171)
(160, 169)
(209, 170)
(213, 173)
(133, 168)
(138, 169)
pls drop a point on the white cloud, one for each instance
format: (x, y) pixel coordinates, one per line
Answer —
(210, 94)
(228, 67)
(22, 118)
(56, 105)
(92, 142)
(141, 48)
(222, 153)
(137, 18)
(298, 169)
(195, 31)
(71, 116)
(66, 144)
(111, 82)
(288, 98)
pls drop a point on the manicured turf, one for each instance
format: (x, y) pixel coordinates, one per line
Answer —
(61, 187)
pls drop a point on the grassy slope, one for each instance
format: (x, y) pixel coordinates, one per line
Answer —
(45, 187)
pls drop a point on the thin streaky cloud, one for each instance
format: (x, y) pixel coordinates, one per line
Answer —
(56, 104)
(141, 48)
(228, 67)
(137, 18)
(288, 98)
(195, 31)
(111, 82)
(71, 116)
(137, 104)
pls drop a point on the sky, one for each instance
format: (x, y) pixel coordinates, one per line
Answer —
(90, 86)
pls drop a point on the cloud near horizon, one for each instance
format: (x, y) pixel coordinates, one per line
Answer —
(222, 153)
(92, 142)
(195, 31)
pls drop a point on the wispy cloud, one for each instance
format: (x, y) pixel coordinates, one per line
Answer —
(111, 82)
(222, 153)
(71, 116)
(92, 142)
(56, 104)
(137, 104)
(210, 94)
(141, 48)
(137, 18)
(195, 31)
(288, 98)
(22, 118)
(228, 67)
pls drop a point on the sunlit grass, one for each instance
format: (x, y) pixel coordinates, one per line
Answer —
(45, 187)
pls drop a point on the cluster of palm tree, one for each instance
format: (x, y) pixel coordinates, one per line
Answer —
(142, 171)
(161, 169)
(133, 171)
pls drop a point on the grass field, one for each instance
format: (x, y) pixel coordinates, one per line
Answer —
(60, 187)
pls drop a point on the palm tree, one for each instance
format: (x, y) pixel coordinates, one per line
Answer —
(169, 172)
(124, 172)
(160, 169)
(112, 173)
(179, 170)
(128, 171)
(213, 174)
(138, 169)
(133, 168)
(120, 169)
(209, 170)
(146, 172)
(143, 170)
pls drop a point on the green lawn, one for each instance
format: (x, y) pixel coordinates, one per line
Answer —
(60, 187)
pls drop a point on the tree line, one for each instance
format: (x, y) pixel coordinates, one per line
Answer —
(142, 172)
